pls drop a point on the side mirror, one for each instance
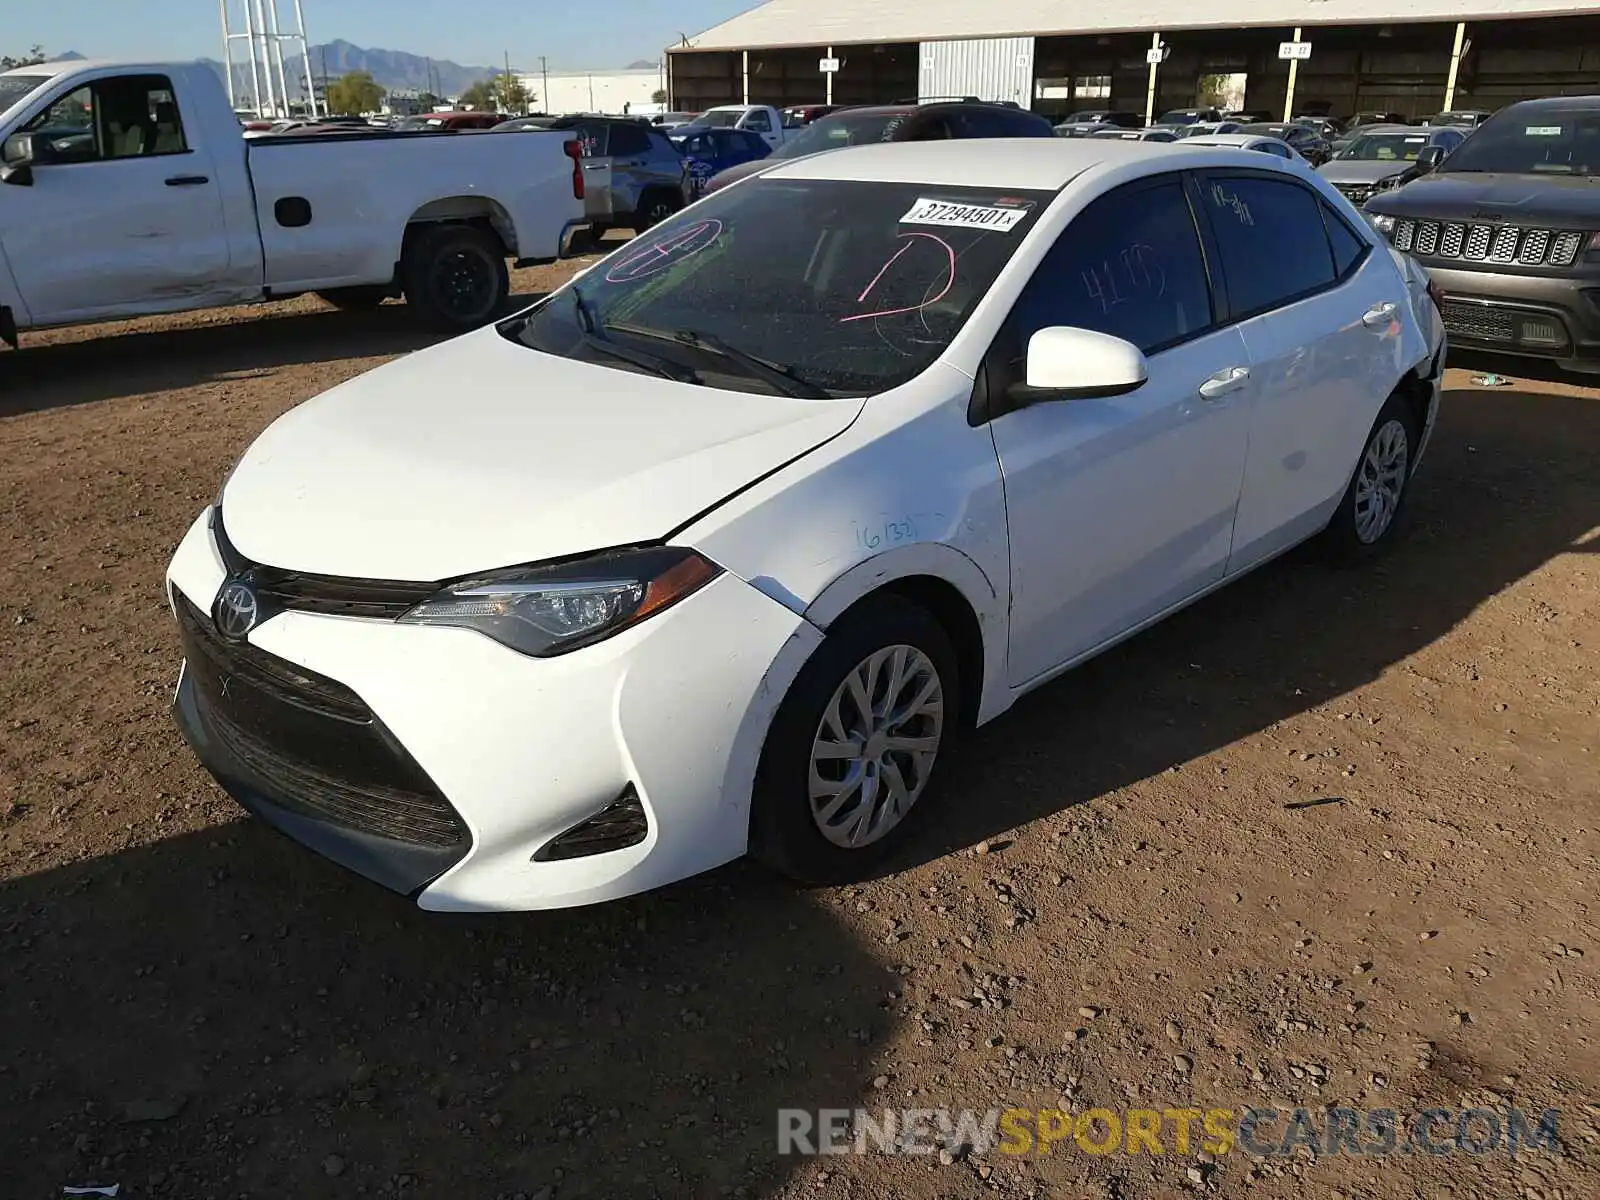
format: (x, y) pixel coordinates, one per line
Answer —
(1428, 161)
(1065, 363)
(20, 153)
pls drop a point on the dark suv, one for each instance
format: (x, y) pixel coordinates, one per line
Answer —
(1509, 227)
(895, 123)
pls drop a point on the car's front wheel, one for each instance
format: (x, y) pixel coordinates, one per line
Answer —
(854, 746)
(1367, 520)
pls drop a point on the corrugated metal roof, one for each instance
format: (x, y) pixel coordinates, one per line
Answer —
(850, 22)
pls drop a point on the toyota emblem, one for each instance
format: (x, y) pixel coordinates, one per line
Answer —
(237, 610)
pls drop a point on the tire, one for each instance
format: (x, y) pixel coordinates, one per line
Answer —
(654, 208)
(784, 832)
(1369, 518)
(356, 299)
(455, 277)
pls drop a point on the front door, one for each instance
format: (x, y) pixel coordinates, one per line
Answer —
(1120, 508)
(132, 218)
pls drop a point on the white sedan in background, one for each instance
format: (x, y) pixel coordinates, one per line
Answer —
(717, 548)
(1260, 143)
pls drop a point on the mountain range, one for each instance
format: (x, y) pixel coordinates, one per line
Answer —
(394, 70)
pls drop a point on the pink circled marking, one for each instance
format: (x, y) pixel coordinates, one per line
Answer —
(950, 280)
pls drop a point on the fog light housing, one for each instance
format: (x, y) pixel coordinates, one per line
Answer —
(618, 825)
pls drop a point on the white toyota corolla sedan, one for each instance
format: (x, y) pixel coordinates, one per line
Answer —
(716, 549)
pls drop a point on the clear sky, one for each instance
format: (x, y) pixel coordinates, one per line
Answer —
(572, 36)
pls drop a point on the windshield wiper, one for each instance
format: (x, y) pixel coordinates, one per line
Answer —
(595, 335)
(780, 376)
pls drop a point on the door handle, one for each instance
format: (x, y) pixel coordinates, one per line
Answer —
(1223, 382)
(188, 180)
(1379, 316)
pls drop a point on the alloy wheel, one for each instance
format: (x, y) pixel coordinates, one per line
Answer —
(1380, 480)
(875, 746)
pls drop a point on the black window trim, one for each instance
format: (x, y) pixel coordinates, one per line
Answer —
(1204, 177)
(1329, 213)
(989, 404)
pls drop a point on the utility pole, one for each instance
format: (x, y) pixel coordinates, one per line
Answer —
(544, 72)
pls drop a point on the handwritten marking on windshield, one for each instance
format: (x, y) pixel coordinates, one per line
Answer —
(661, 253)
(949, 281)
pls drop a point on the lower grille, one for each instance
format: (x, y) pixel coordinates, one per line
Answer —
(1477, 321)
(1497, 244)
(312, 744)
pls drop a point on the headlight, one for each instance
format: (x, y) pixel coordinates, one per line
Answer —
(1382, 222)
(546, 611)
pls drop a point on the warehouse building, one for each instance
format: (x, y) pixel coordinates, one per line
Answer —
(1414, 57)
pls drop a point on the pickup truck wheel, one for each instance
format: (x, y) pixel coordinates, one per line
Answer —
(455, 277)
(356, 299)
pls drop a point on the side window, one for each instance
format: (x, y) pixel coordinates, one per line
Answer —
(1267, 234)
(629, 140)
(660, 145)
(1129, 265)
(1277, 148)
(1348, 249)
(1449, 141)
(758, 122)
(130, 116)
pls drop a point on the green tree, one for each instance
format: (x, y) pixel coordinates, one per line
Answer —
(509, 94)
(34, 56)
(355, 93)
(480, 96)
(659, 96)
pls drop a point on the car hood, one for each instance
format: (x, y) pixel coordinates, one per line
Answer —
(1360, 170)
(1471, 196)
(481, 453)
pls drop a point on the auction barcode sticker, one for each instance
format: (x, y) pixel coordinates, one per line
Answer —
(962, 216)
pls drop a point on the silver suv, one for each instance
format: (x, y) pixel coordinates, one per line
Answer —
(633, 176)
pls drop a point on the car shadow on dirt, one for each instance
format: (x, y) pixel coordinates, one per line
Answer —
(1508, 483)
(222, 1013)
(135, 361)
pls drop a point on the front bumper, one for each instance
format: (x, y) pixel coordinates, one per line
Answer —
(1536, 315)
(522, 749)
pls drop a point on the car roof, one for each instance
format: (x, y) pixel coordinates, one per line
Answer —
(1034, 164)
(1391, 128)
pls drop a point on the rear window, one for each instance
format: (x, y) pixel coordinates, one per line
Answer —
(833, 133)
(854, 287)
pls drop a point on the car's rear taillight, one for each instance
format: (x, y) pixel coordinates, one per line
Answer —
(574, 151)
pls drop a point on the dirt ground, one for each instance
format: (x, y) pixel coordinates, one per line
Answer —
(1325, 838)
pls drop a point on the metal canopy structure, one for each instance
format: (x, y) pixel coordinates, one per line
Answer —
(783, 23)
(258, 24)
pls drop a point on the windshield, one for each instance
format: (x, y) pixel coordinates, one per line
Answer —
(14, 87)
(1545, 141)
(833, 133)
(1200, 129)
(1385, 147)
(723, 118)
(1179, 116)
(812, 287)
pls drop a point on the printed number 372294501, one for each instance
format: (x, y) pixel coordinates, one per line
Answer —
(886, 533)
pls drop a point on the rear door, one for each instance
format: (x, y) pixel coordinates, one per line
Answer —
(133, 218)
(1319, 306)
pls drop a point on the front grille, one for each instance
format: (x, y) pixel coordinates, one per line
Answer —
(1496, 244)
(1477, 321)
(312, 745)
(1357, 193)
(281, 590)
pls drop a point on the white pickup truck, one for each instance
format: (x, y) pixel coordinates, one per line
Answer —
(756, 118)
(128, 189)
